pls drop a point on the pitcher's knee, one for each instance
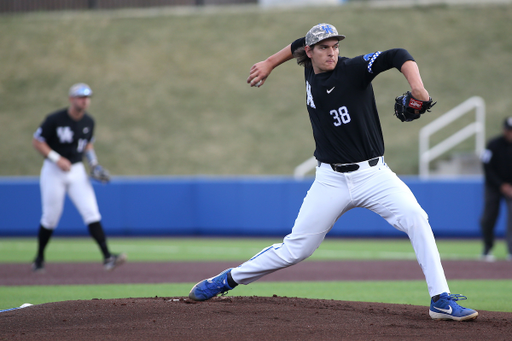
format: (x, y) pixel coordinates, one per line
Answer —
(297, 247)
(294, 255)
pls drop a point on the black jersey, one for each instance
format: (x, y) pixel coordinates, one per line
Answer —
(342, 109)
(497, 161)
(65, 135)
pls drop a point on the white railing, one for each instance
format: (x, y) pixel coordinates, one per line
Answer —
(476, 128)
(302, 169)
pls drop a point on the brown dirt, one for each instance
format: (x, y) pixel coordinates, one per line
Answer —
(242, 318)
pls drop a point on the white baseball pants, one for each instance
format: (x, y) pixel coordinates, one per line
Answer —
(331, 195)
(55, 183)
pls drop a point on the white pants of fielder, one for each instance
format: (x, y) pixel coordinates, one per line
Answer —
(332, 194)
(55, 183)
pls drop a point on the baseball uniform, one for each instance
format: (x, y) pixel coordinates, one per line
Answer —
(69, 133)
(351, 170)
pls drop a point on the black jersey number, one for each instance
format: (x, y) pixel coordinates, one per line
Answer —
(340, 116)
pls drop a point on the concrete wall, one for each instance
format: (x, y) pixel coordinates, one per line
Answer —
(235, 206)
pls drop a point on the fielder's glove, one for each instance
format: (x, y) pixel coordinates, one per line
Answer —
(408, 108)
(100, 174)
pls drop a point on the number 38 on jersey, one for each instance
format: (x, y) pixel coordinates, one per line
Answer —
(340, 116)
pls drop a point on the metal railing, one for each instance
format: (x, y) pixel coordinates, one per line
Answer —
(304, 168)
(476, 128)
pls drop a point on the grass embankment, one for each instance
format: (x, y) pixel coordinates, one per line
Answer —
(170, 96)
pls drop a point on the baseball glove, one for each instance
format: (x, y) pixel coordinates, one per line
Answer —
(408, 108)
(100, 174)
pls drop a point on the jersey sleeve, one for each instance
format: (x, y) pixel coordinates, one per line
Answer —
(298, 44)
(393, 58)
(92, 138)
(374, 63)
(44, 131)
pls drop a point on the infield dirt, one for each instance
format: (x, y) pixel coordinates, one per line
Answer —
(242, 318)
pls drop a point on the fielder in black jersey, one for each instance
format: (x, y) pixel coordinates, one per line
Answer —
(63, 139)
(67, 136)
(497, 164)
(351, 170)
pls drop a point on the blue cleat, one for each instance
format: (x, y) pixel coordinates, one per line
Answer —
(210, 287)
(446, 308)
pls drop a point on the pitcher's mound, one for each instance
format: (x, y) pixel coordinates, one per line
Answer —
(242, 318)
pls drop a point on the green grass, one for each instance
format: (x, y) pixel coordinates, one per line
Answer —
(22, 250)
(492, 295)
(170, 92)
(484, 294)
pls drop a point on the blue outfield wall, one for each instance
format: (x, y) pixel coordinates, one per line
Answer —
(233, 206)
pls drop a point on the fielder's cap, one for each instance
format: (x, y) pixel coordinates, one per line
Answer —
(80, 90)
(507, 124)
(320, 32)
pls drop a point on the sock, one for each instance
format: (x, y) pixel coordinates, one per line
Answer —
(231, 281)
(96, 232)
(43, 237)
(437, 297)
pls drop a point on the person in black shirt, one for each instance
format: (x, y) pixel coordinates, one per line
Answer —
(63, 138)
(351, 170)
(497, 165)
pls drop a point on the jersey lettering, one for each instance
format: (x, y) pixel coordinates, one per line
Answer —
(65, 134)
(340, 116)
(309, 100)
(81, 145)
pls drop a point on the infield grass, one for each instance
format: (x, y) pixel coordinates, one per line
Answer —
(493, 295)
(22, 250)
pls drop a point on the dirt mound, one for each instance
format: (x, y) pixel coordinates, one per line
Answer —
(241, 318)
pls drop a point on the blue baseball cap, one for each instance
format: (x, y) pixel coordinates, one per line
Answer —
(80, 90)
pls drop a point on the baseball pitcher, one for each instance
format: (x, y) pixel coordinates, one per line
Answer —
(351, 170)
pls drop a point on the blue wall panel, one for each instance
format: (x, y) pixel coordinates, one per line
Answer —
(235, 206)
(218, 206)
(20, 206)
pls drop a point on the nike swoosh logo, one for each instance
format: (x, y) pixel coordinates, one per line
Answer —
(329, 91)
(448, 311)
